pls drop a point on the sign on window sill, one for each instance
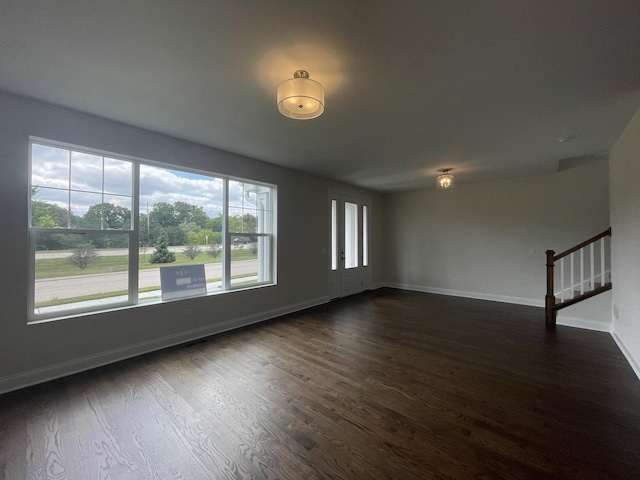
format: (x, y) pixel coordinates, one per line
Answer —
(182, 281)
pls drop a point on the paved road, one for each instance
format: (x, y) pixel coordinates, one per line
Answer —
(78, 285)
(113, 252)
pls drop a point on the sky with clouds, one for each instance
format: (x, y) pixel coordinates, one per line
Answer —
(77, 180)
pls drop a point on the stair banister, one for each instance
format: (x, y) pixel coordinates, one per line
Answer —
(550, 299)
(551, 304)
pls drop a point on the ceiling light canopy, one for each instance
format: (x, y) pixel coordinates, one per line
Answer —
(446, 179)
(300, 97)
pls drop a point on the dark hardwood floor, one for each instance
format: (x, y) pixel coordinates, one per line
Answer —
(387, 384)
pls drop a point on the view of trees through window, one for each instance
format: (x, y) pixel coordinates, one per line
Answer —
(82, 229)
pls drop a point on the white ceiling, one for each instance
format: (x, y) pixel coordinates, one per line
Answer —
(485, 87)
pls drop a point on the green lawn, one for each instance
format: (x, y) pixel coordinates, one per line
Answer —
(60, 267)
(98, 296)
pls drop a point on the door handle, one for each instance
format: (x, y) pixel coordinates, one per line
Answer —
(342, 256)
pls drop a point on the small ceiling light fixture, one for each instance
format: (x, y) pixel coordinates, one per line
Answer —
(300, 97)
(446, 179)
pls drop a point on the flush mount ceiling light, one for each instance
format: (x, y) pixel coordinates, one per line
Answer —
(300, 97)
(446, 179)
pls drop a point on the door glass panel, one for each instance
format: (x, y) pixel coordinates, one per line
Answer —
(365, 239)
(334, 235)
(350, 235)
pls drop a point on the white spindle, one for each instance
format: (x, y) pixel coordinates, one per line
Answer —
(581, 271)
(562, 279)
(593, 270)
(572, 277)
(602, 278)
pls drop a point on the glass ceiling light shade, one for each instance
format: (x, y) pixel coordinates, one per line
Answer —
(446, 179)
(300, 97)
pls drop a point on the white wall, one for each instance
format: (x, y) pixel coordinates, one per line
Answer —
(477, 240)
(624, 168)
(32, 353)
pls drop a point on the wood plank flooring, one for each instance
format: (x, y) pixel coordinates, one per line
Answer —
(387, 384)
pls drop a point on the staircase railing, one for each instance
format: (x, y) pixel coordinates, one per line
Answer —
(585, 273)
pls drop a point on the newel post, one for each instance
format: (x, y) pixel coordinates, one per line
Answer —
(550, 299)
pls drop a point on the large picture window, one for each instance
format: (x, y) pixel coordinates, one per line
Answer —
(102, 226)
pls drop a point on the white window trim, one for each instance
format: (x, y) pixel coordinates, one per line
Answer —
(133, 235)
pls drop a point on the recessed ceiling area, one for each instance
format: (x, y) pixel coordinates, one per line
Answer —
(487, 88)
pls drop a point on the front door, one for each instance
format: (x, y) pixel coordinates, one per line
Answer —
(349, 266)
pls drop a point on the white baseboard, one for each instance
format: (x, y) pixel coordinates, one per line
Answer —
(461, 293)
(561, 319)
(582, 323)
(633, 361)
(51, 372)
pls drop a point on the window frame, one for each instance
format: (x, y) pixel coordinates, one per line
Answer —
(229, 234)
(133, 234)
